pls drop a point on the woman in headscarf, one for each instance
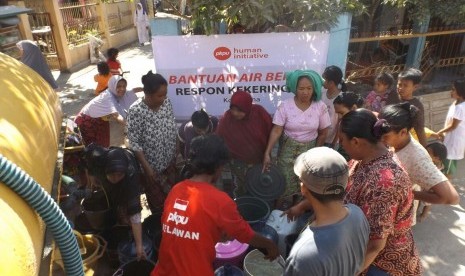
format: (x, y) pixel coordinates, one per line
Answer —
(32, 57)
(118, 172)
(142, 23)
(300, 123)
(112, 104)
(245, 128)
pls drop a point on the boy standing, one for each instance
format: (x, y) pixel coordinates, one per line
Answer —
(336, 241)
(408, 82)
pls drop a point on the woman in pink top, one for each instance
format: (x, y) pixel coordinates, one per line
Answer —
(300, 123)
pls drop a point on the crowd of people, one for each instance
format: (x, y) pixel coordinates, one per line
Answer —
(364, 166)
(361, 165)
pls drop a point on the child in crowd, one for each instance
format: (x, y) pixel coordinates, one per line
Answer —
(113, 62)
(382, 93)
(408, 82)
(438, 152)
(454, 127)
(200, 124)
(345, 102)
(141, 22)
(102, 77)
(334, 85)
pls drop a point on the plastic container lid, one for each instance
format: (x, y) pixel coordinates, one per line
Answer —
(230, 249)
(228, 270)
(268, 186)
(255, 264)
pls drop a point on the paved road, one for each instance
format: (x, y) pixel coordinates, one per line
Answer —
(440, 238)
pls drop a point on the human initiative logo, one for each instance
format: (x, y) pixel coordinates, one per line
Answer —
(224, 53)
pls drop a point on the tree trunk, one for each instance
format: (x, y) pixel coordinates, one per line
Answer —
(368, 24)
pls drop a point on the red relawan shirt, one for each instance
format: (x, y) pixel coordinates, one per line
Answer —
(195, 216)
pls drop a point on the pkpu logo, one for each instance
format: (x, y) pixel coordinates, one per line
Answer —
(222, 53)
(177, 218)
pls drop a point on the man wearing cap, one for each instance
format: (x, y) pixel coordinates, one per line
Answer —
(335, 242)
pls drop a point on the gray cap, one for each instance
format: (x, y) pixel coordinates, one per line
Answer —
(322, 170)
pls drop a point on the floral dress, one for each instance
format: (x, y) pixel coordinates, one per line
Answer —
(376, 102)
(154, 133)
(382, 189)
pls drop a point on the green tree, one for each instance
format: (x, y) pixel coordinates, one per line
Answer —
(262, 15)
(417, 11)
(449, 11)
(307, 15)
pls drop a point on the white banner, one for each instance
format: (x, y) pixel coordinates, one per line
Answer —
(203, 71)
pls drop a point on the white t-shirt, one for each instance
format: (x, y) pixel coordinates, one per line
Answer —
(419, 166)
(455, 139)
(332, 115)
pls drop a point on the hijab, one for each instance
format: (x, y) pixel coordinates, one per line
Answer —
(108, 102)
(125, 193)
(32, 57)
(242, 100)
(292, 78)
(247, 138)
(143, 11)
(123, 103)
(116, 161)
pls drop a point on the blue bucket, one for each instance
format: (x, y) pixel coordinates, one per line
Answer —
(254, 210)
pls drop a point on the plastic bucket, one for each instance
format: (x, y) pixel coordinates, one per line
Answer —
(230, 252)
(82, 225)
(283, 228)
(94, 246)
(256, 265)
(269, 233)
(97, 211)
(127, 250)
(269, 185)
(228, 270)
(133, 268)
(254, 210)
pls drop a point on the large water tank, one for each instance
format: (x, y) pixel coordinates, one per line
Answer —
(30, 122)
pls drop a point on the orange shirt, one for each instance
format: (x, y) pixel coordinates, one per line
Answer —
(102, 82)
(195, 216)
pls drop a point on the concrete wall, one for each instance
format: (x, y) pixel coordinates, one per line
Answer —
(123, 38)
(436, 106)
(80, 55)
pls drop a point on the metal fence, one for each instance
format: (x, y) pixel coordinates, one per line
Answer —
(42, 32)
(442, 58)
(80, 18)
